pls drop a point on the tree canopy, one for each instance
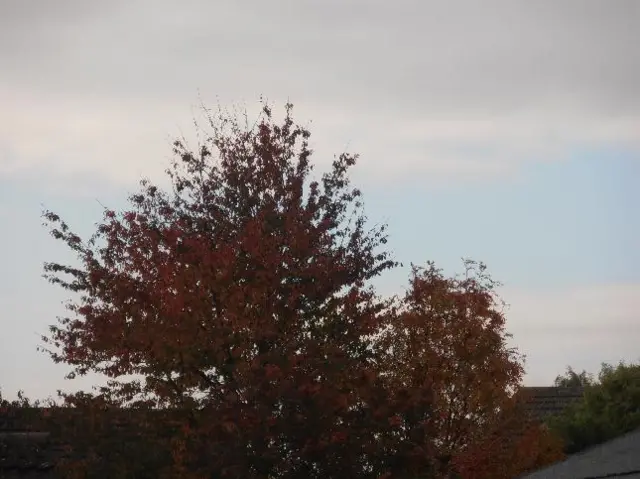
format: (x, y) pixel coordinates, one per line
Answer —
(572, 379)
(237, 306)
(610, 408)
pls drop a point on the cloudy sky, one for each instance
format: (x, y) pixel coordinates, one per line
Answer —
(506, 131)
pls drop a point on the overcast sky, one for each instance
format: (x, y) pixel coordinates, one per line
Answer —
(506, 131)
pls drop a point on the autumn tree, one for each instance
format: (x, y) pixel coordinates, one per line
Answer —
(240, 297)
(450, 339)
(610, 408)
(235, 319)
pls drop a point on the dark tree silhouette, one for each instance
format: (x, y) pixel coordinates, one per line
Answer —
(235, 319)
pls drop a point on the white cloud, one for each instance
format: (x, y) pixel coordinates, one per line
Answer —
(579, 326)
(122, 142)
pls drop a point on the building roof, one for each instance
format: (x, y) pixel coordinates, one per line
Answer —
(619, 457)
(27, 455)
(544, 402)
(27, 451)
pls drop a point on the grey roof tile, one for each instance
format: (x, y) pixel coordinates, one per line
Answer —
(543, 402)
(619, 457)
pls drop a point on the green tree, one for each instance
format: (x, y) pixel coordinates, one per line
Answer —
(611, 407)
(573, 379)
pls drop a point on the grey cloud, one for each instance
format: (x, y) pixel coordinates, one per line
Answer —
(429, 56)
(504, 73)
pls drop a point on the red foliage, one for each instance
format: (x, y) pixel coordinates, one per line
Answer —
(450, 354)
(509, 447)
(240, 304)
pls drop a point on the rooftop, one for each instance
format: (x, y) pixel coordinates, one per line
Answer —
(544, 402)
(619, 457)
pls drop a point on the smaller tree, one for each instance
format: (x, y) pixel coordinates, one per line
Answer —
(610, 408)
(450, 340)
